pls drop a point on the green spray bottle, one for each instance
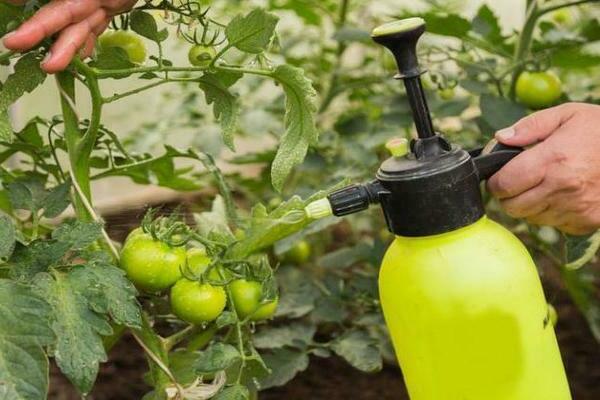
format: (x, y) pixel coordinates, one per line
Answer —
(460, 294)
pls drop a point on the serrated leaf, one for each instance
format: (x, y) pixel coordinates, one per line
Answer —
(296, 334)
(359, 349)
(144, 24)
(78, 234)
(251, 33)
(225, 319)
(284, 364)
(213, 223)
(299, 122)
(27, 76)
(112, 58)
(235, 392)
(298, 294)
(27, 193)
(216, 357)
(447, 24)
(225, 104)
(499, 112)
(574, 57)
(110, 292)
(38, 256)
(23, 332)
(8, 236)
(580, 250)
(78, 350)
(57, 200)
(486, 24)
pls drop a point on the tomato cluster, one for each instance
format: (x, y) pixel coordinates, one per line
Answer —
(154, 266)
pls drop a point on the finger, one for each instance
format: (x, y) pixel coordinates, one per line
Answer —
(101, 27)
(522, 173)
(572, 229)
(50, 19)
(537, 126)
(70, 41)
(550, 217)
(531, 202)
(88, 47)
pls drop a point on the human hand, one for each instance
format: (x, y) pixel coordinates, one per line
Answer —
(557, 181)
(77, 22)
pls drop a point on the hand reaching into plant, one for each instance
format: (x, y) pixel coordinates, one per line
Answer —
(556, 181)
(77, 22)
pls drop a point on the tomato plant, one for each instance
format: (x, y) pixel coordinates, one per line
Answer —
(314, 99)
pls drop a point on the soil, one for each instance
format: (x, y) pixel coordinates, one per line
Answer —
(333, 379)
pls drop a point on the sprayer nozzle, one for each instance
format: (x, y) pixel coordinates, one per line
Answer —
(319, 209)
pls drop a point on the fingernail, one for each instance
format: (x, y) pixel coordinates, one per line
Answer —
(47, 58)
(505, 133)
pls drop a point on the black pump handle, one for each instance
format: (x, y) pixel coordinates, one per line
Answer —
(401, 37)
(491, 158)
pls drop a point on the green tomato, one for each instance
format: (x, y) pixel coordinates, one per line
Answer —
(446, 93)
(197, 303)
(137, 231)
(538, 89)
(150, 264)
(299, 254)
(562, 16)
(198, 262)
(246, 296)
(201, 55)
(130, 42)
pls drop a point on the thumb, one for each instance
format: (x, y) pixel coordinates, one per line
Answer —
(537, 126)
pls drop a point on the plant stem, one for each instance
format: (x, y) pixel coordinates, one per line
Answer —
(524, 43)
(79, 168)
(341, 48)
(548, 9)
(201, 339)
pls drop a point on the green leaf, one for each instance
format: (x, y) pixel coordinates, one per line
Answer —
(299, 122)
(8, 236)
(217, 357)
(574, 58)
(79, 349)
(235, 392)
(298, 294)
(296, 334)
(27, 76)
(113, 58)
(10, 16)
(309, 14)
(37, 257)
(447, 24)
(110, 292)
(225, 319)
(144, 24)
(78, 234)
(580, 250)
(486, 24)
(214, 223)
(251, 33)
(284, 364)
(499, 112)
(359, 349)
(581, 285)
(27, 193)
(57, 200)
(225, 104)
(23, 332)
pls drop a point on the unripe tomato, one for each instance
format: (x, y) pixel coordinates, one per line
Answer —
(562, 16)
(201, 55)
(299, 254)
(246, 296)
(538, 89)
(150, 264)
(198, 262)
(446, 93)
(130, 42)
(197, 303)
